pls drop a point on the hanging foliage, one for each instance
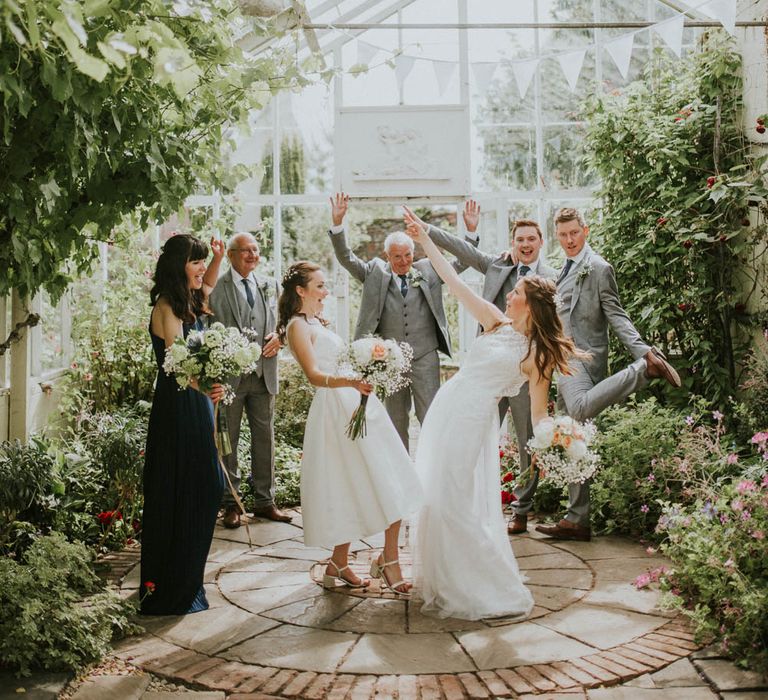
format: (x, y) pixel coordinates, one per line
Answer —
(114, 107)
(684, 211)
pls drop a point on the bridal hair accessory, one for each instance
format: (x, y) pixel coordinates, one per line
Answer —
(292, 274)
(559, 303)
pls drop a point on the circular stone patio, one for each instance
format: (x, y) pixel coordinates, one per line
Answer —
(272, 630)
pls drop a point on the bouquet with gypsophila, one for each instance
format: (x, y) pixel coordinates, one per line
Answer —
(211, 357)
(561, 449)
(384, 363)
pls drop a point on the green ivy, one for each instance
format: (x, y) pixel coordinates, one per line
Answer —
(109, 107)
(679, 185)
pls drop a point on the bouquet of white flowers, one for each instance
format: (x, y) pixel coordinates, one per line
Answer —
(561, 448)
(211, 357)
(383, 363)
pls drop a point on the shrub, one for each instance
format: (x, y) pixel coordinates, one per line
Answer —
(53, 613)
(754, 391)
(292, 404)
(719, 577)
(28, 476)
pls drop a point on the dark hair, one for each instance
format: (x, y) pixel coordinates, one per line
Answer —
(170, 278)
(565, 214)
(553, 348)
(289, 304)
(520, 223)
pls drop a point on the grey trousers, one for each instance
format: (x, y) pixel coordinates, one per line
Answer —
(580, 397)
(253, 397)
(426, 381)
(520, 407)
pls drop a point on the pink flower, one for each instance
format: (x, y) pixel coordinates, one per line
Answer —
(716, 415)
(642, 581)
(729, 564)
(88, 376)
(689, 421)
(650, 551)
(737, 504)
(746, 515)
(732, 458)
(758, 535)
(651, 478)
(746, 486)
(644, 508)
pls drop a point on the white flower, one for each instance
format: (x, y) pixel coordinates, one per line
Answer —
(243, 356)
(178, 353)
(586, 268)
(577, 450)
(544, 432)
(565, 423)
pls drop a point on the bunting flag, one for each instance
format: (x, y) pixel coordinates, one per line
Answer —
(724, 11)
(524, 72)
(620, 50)
(366, 52)
(483, 73)
(403, 67)
(671, 32)
(444, 72)
(571, 64)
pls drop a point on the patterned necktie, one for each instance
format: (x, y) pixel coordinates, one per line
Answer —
(403, 285)
(523, 271)
(248, 293)
(566, 270)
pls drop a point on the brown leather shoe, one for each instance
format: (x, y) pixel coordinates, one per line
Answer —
(518, 524)
(272, 513)
(659, 368)
(566, 530)
(231, 517)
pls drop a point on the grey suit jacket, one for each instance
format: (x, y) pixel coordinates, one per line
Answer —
(229, 307)
(498, 271)
(595, 307)
(376, 276)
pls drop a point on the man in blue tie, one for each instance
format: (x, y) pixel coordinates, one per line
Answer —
(244, 299)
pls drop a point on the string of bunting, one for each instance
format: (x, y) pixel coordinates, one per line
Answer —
(571, 61)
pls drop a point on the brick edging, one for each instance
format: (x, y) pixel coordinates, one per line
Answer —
(647, 653)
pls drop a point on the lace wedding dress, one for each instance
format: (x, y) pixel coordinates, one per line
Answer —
(351, 489)
(465, 567)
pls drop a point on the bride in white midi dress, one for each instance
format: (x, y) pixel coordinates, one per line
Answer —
(350, 489)
(465, 566)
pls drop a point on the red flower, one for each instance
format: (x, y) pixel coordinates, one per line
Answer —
(760, 129)
(508, 477)
(684, 307)
(711, 180)
(141, 453)
(105, 517)
(117, 515)
(687, 244)
(661, 221)
(149, 586)
(506, 497)
(501, 454)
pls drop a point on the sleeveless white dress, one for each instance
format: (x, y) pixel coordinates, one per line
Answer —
(351, 489)
(465, 567)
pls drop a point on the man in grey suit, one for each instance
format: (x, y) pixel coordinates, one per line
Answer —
(587, 285)
(501, 275)
(243, 299)
(403, 300)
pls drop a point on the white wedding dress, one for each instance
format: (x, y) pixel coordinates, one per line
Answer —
(465, 567)
(351, 489)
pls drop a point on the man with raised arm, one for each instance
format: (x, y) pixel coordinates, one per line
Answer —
(402, 300)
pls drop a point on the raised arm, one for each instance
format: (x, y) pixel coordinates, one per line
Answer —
(299, 336)
(211, 275)
(485, 312)
(347, 259)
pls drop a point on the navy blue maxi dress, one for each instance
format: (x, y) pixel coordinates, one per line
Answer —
(183, 485)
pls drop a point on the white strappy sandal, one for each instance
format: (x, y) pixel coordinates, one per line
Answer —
(329, 581)
(378, 571)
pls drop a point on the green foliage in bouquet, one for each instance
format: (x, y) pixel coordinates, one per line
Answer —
(719, 577)
(679, 180)
(54, 613)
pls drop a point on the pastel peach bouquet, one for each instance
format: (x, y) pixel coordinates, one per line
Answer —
(384, 363)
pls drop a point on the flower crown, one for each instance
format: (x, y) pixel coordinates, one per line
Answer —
(293, 274)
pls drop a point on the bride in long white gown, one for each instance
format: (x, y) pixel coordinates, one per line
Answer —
(464, 563)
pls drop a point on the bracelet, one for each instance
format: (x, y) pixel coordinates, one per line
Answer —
(327, 379)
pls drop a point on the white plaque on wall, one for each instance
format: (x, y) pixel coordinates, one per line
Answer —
(403, 151)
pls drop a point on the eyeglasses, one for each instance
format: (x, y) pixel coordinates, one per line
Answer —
(254, 251)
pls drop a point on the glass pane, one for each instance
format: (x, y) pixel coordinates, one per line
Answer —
(505, 158)
(564, 164)
(495, 11)
(255, 149)
(51, 351)
(378, 86)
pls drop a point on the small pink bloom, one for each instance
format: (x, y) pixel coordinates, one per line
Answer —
(758, 535)
(737, 504)
(716, 415)
(88, 376)
(644, 508)
(650, 551)
(642, 581)
(732, 458)
(651, 478)
(746, 486)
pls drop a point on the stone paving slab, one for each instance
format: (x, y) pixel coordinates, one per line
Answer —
(42, 685)
(726, 676)
(624, 693)
(113, 688)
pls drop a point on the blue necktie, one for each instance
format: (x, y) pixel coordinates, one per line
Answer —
(566, 269)
(248, 293)
(403, 285)
(523, 271)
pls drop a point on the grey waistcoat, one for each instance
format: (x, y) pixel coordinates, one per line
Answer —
(408, 319)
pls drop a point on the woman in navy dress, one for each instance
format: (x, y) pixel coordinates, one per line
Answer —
(183, 482)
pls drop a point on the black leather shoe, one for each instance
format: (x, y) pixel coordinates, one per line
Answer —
(566, 530)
